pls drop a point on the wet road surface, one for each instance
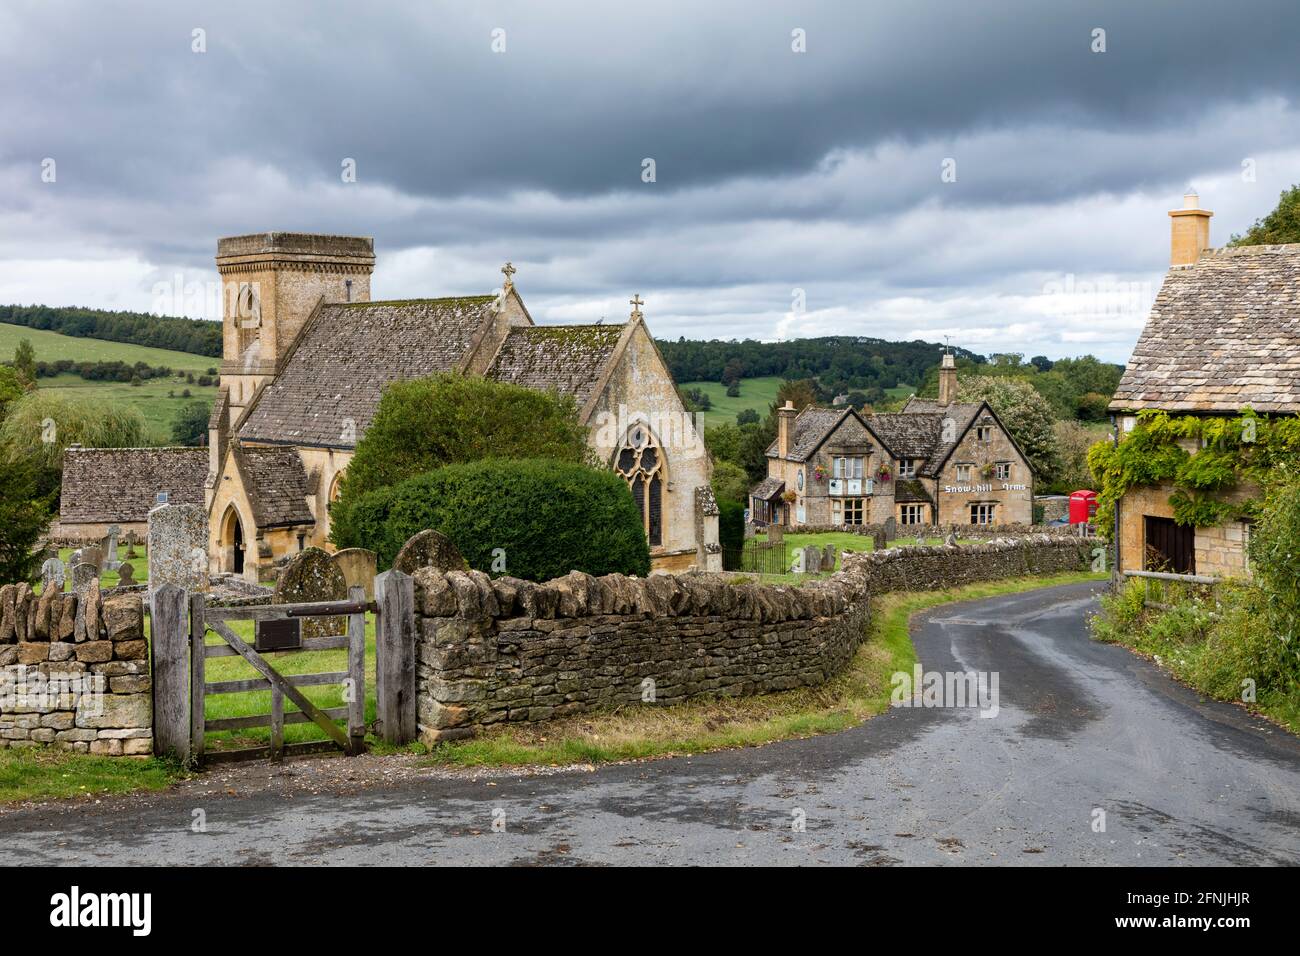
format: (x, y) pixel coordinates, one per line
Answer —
(1081, 728)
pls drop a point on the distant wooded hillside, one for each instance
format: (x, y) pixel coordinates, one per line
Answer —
(841, 362)
(134, 328)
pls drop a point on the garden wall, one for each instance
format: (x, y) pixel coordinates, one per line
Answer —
(74, 672)
(505, 650)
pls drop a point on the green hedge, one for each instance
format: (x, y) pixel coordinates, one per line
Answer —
(548, 517)
(731, 525)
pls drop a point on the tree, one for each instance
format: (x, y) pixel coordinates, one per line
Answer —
(423, 424)
(1279, 226)
(798, 392)
(11, 389)
(25, 363)
(191, 426)
(24, 516)
(41, 424)
(733, 390)
(1026, 415)
(531, 519)
(723, 442)
(1275, 564)
(730, 483)
(733, 371)
(1072, 442)
(747, 416)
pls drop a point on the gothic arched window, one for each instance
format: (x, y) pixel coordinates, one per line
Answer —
(248, 315)
(641, 464)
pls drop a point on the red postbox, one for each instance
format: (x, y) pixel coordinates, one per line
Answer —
(1083, 505)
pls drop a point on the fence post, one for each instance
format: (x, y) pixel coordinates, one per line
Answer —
(198, 661)
(357, 672)
(169, 646)
(395, 657)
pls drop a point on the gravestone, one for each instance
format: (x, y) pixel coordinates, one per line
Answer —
(90, 555)
(828, 558)
(311, 576)
(878, 541)
(84, 577)
(798, 566)
(52, 574)
(775, 534)
(110, 548)
(125, 574)
(891, 528)
(812, 559)
(178, 548)
(358, 566)
(428, 549)
(132, 539)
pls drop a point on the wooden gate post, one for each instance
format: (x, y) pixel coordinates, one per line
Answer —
(357, 673)
(395, 657)
(198, 664)
(169, 642)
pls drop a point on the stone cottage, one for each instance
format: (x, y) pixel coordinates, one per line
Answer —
(103, 487)
(307, 354)
(935, 462)
(1223, 335)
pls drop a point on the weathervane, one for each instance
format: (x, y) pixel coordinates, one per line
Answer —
(636, 302)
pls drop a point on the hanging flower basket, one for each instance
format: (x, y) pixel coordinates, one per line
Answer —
(884, 474)
(789, 496)
(987, 471)
(819, 473)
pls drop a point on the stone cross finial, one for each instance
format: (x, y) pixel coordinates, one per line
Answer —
(636, 302)
(508, 270)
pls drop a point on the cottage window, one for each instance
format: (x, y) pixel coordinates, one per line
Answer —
(1002, 471)
(847, 511)
(911, 514)
(981, 512)
(963, 473)
(641, 465)
(984, 433)
(847, 468)
(907, 468)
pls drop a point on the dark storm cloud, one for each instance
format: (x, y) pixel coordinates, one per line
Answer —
(771, 166)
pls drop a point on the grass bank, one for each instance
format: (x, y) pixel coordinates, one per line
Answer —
(861, 691)
(39, 774)
(1215, 640)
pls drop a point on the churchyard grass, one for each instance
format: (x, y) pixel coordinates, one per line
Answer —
(698, 726)
(110, 579)
(842, 541)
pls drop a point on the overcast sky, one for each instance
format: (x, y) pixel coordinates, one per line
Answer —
(775, 170)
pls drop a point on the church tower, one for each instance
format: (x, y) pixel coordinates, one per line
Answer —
(271, 283)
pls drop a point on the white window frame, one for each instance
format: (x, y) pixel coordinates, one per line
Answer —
(963, 473)
(846, 466)
(911, 514)
(907, 468)
(981, 510)
(1002, 471)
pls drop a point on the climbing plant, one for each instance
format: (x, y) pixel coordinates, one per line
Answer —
(1203, 458)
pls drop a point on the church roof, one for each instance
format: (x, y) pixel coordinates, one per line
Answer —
(566, 358)
(1223, 334)
(331, 382)
(122, 484)
(276, 483)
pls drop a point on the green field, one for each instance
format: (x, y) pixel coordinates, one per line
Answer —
(755, 393)
(149, 397)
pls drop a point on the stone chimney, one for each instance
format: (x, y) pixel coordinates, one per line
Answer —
(785, 416)
(947, 379)
(1191, 230)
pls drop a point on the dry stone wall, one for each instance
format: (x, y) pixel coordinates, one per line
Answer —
(74, 671)
(504, 650)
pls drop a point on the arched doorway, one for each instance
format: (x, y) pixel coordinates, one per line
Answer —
(232, 542)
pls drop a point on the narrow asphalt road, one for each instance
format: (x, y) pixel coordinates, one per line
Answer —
(1081, 728)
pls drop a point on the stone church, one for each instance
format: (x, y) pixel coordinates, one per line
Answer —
(307, 354)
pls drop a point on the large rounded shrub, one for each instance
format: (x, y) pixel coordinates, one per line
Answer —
(547, 518)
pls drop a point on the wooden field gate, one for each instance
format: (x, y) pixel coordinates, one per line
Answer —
(180, 654)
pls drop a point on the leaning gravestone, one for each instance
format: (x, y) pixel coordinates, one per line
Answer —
(358, 566)
(775, 534)
(428, 549)
(178, 548)
(812, 559)
(52, 574)
(91, 555)
(891, 528)
(313, 576)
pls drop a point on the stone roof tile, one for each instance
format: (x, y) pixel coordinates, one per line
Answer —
(122, 484)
